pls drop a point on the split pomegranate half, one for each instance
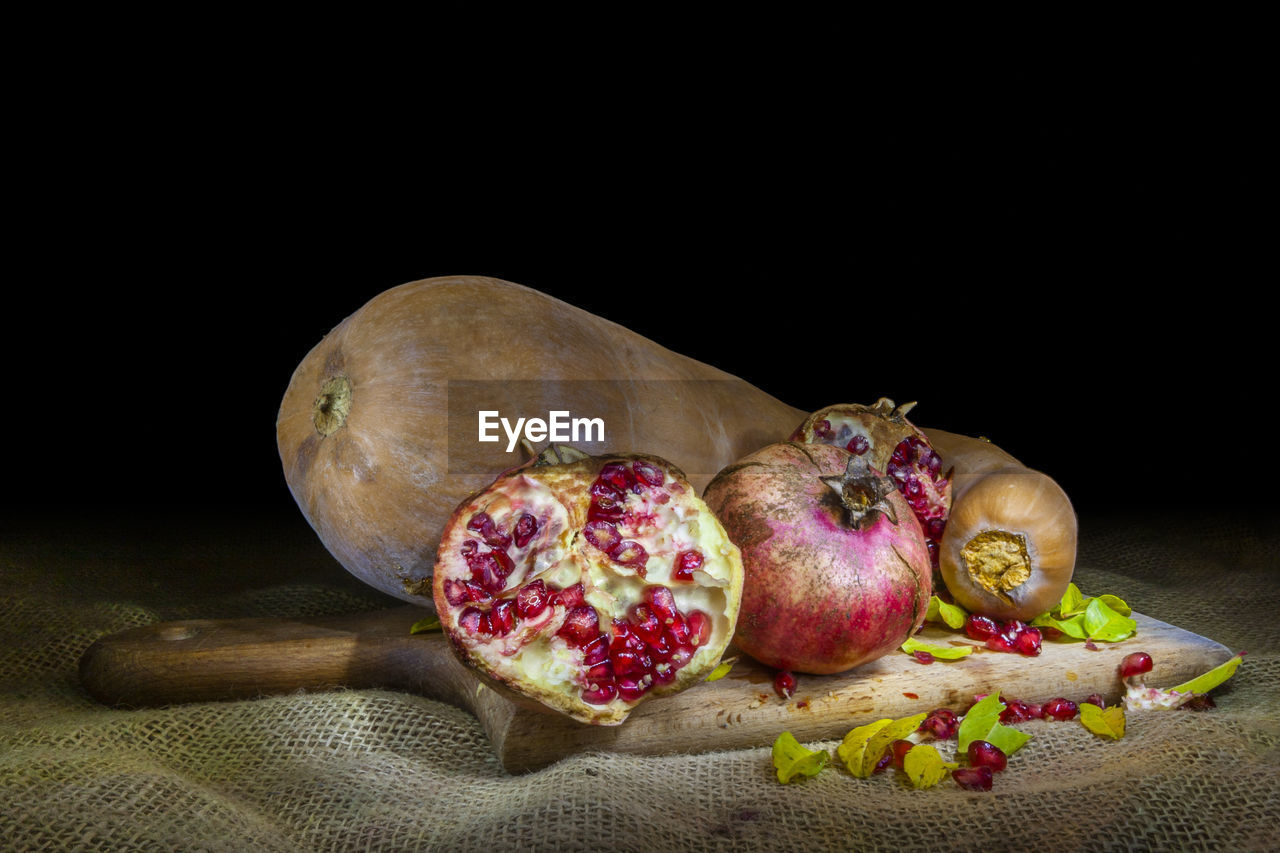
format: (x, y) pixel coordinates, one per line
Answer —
(588, 585)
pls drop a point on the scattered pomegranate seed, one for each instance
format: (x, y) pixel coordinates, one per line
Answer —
(898, 751)
(1028, 642)
(1060, 709)
(978, 627)
(1018, 711)
(1137, 663)
(1096, 699)
(784, 684)
(984, 754)
(941, 723)
(973, 778)
(923, 656)
(857, 445)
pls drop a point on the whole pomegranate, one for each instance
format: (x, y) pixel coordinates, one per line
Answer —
(891, 444)
(588, 584)
(837, 569)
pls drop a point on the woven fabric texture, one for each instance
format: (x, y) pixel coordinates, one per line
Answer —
(382, 770)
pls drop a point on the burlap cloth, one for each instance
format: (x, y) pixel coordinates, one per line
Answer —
(380, 770)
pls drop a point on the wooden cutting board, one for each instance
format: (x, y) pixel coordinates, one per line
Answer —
(208, 660)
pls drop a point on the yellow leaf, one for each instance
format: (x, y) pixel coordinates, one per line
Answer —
(430, 623)
(722, 670)
(1108, 722)
(863, 747)
(790, 759)
(924, 766)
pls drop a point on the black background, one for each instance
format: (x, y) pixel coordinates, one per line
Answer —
(1072, 273)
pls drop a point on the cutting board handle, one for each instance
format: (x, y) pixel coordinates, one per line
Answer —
(224, 659)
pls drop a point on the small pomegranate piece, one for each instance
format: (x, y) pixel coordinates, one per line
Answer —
(941, 724)
(563, 581)
(898, 751)
(983, 754)
(1060, 709)
(1135, 664)
(784, 684)
(979, 627)
(1019, 711)
(1028, 642)
(973, 778)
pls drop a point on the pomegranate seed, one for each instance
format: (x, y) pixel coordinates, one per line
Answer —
(1137, 663)
(687, 562)
(470, 620)
(784, 684)
(885, 761)
(941, 723)
(569, 597)
(617, 475)
(645, 623)
(605, 509)
(628, 552)
(1000, 643)
(489, 568)
(822, 429)
(664, 673)
(600, 694)
(897, 752)
(923, 656)
(983, 754)
(601, 489)
(532, 599)
(663, 602)
(935, 527)
(596, 651)
(526, 527)
(503, 617)
(699, 627)
(661, 648)
(602, 534)
(1028, 642)
(858, 445)
(1018, 711)
(648, 472)
(483, 524)
(978, 627)
(1060, 709)
(1096, 699)
(973, 778)
(624, 639)
(627, 662)
(581, 625)
(678, 631)
(631, 689)
(455, 593)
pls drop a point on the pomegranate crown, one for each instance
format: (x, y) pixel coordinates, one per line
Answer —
(862, 493)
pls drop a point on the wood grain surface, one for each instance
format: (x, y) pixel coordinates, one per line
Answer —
(234, 659)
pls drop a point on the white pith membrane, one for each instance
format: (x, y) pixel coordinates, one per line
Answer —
(533, 657)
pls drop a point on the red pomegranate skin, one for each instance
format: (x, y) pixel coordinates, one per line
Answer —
(819, 595)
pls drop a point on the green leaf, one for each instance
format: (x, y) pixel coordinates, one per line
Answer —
(1117, 604)
(1073, 601)
(1108, 722)
(983, 723)
(951, 615)
(1072, 626)
(1211, 679)
(790, 759)
(1007, 738)
(924, 766)
(422, 626)
(1103, 623)
(940, 652)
